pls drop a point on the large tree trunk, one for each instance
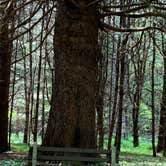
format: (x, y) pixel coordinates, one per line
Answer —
(4, 81)
(72, 116)
(162, 127)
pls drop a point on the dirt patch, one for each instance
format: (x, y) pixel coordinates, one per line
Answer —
(12, 155)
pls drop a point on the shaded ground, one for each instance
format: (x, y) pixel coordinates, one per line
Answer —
(12, 155)
(12, 159)
(129, 159)
(126, 159)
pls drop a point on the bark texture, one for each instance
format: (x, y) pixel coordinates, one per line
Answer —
(4, 81)
(72, 116)
(162, 126)
(121, 96)
(135, 115)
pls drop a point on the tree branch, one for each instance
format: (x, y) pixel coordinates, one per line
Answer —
(116, 29)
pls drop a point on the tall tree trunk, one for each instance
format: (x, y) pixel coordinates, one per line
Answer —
(99, 107)
(135, 115)
(5, 58)
(162, 126)
(121, 95)
(38, 85)
(72, 116)
(114, 110)
(102, 79)
(31, 76)
(12, 96)
(43, 99)
(27, 102)
(139, 70)
(153, 97)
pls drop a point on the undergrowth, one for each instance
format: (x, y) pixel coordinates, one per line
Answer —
(130, 156)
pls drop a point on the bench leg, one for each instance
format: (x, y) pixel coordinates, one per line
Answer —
(34, 154)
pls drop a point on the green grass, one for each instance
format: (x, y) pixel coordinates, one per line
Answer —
(140, 156)
(130, 156)
(145, 146)
(18, 138)
(20, 147)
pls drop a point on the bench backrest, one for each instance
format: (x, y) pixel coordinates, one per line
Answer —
(40, 153)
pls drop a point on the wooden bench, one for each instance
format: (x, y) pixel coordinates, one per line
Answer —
(55, 154)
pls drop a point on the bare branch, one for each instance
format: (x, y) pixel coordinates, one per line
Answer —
(117, 29)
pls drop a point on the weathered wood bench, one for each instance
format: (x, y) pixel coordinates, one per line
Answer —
(58, 154)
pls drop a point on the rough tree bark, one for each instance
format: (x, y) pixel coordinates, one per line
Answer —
(139, 70)
(153, 97)
(135, 115)
(162, 126)
(27, 103)
(121, 95)
(102, 79)
(5, 57)
(114, 109)
(72, 116)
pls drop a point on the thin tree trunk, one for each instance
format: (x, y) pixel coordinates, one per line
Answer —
(31, 84)
(12, 98)
(139, 69)
(153, 99)
(121, 95)
(37, 99)
(43, 92)
(38, 86)
(135, 115)
(43, 101)
(114, 110)
(27, 101)
(14, 78)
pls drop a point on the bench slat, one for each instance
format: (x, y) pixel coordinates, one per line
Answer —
(70, 158)
(70, 154)
(72, 150)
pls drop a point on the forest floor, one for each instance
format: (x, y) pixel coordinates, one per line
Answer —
(131, 159)
(12, 155)
(130, 156)
(126, 159)
(12, 158)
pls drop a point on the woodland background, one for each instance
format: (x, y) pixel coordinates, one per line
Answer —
(111, 65)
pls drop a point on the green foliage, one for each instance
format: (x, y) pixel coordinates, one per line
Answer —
(12, 162)
(145, 147)
(20, 147)
(17, 138)
(145, 111)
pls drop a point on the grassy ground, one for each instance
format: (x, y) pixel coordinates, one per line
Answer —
(20, 147)
(140, 156)
(131, 159)
(12, 162)
(130, 156)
